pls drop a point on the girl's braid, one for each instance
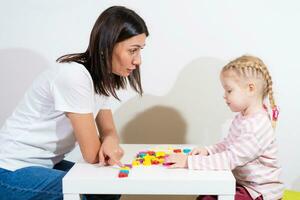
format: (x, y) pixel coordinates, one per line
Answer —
(250, 66)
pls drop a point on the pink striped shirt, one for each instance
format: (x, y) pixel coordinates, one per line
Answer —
(250, 151)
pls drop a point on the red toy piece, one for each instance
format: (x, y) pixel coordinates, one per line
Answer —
(167, 164)
(151, 153)
(177, 150)
(123, 175)
(155, 162)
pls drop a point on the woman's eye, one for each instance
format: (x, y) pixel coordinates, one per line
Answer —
(132, 51)
(229, 91)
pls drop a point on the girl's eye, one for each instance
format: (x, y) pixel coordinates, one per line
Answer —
(229, 91)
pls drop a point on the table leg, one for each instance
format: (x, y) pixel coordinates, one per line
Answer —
(226, 197)
(71, 197)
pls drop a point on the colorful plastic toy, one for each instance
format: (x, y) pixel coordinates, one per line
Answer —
(186, 151)
(150, 157)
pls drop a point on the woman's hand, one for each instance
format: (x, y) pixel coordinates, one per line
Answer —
(199, 151)
(177, 161)
(110, 152)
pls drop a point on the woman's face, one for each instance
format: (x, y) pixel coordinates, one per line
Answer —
(126, 55)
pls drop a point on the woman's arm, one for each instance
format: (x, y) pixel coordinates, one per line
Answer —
(106, 125)
(86, 135)
(110, 151)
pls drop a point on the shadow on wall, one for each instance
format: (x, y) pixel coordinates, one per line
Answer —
(18, 69)
(192, 112)
(156, 125)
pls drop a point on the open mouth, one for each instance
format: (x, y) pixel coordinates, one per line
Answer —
(129, 71)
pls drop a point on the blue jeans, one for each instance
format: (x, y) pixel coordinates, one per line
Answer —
(39, 183)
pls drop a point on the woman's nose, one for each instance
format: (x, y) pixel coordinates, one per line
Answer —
(137, 60)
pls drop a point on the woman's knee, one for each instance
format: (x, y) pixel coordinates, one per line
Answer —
(32, 183)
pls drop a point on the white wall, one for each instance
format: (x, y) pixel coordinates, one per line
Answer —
(188, 44)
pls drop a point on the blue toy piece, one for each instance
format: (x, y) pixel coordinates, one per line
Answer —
(186, 151)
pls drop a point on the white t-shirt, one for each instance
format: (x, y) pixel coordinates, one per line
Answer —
(38, 133)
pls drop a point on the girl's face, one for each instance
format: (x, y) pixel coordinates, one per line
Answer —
(236, 95)
(126, 55)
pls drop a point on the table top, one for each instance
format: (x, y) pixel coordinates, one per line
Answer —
(86, 178)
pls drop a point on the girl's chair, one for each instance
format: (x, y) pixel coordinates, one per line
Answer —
(291, 195)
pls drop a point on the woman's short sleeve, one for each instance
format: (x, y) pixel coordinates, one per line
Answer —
(72, 90)
(103, 102)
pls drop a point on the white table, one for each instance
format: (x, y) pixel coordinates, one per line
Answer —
(85, 178)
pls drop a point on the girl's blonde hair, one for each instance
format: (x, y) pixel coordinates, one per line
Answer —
(252, 67)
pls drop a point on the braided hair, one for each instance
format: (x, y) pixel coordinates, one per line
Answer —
(252, 67)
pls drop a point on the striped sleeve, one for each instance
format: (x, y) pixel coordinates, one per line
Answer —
(242, 150)
(219, 147)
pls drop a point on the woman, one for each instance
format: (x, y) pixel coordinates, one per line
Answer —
(69, 103)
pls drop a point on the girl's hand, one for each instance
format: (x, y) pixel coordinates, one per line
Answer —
(199, 151)
(177, 160)
(110, 152)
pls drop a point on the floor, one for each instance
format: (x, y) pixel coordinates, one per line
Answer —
(157, 197)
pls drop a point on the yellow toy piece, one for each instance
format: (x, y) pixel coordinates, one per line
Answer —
(147, 162)
(125, 168)
(160, 154)
(135, 163)
(148, 157)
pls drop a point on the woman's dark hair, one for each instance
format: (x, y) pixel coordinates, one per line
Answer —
(114, 25)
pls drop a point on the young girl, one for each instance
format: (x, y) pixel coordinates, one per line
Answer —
(250, 149)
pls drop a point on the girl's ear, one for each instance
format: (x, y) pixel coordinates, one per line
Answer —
(251, 87)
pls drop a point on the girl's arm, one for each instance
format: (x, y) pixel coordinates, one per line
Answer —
(238, 154)
(248, 146)
(212, 149)
(241, 152)
(218, 147)
(86, 135)
(255, 137)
